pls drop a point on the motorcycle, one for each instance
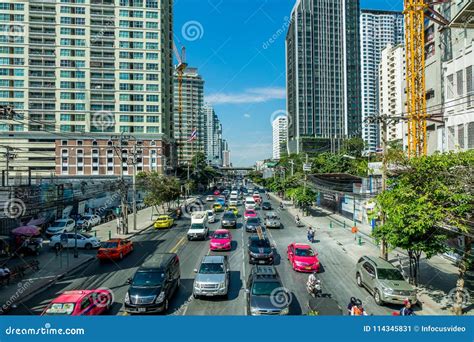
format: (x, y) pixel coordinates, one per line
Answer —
(299, 223)
(314, 287)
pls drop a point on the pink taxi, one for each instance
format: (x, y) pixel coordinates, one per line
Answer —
(221, 240)
(80, 303)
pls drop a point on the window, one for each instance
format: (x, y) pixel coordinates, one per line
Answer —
(459, 82)
(450, 87)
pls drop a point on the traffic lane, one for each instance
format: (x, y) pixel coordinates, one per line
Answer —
(337, 267)
(112, 275)
(234, 304)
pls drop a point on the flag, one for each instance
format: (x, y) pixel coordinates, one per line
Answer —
(193, 135)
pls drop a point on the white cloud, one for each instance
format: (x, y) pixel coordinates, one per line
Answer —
(251, 95)
(247, 115)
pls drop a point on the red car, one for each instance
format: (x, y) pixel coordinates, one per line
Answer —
(217, 192)
(250, 213)
(221, 240)
(80, 303)
(303, 258)
(114, 249)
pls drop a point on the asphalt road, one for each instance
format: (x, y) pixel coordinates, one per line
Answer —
(337, 275)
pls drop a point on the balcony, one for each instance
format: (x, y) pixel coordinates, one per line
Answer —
(464, 17)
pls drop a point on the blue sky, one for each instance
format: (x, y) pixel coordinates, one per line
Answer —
(230, 42)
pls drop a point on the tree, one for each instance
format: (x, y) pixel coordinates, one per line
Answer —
(353, 147)
(160, 190)
(431, 199)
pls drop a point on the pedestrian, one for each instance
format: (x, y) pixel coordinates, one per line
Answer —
(310, 234)
(406, 310)
(5, 274)
(358, 309)
(352, 302)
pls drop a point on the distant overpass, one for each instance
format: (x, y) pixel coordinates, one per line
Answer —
(236, 168)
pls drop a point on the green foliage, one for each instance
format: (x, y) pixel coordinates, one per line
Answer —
(353, 147)
(160, 190)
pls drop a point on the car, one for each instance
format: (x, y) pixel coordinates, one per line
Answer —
(221, 240)
(233, 209)
(260, 250)
(250, 203)
(266, 206)
(221, 200)
(61, 226)
(233, 201)
(210, 198)
(68, 240)
(384, 281)
(217, 207)
(153, 284)
(114, 249)
(229, 220)
(106, 214)
(302, 257)
(272, 220)
(225, 193)
(266, 294)
(249, 213)
(87, 221)
(211, 216)
(252, 225)
(163, 221)
(212, 277)
(217, 192)
(198, 228)
(80, 303)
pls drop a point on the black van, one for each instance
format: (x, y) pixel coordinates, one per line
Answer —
(153, 285)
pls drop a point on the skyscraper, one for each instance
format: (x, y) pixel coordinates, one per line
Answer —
(213, 129)
(83, 70)
(280, 133)
(190, 125)
(323, 74)
(378, 29)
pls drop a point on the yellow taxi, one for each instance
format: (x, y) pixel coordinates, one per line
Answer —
(164, 221)
(217, 207)
(234, 209)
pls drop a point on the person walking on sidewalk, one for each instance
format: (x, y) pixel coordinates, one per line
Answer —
(407, 310)
(310, 234)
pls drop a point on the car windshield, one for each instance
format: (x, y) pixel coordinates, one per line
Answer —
(261, 288)
(249, 201)
(208, 268)
(109, 245)
(260, 243)
(210, 213)
(197, 226)
(304, 252)
(221, 235)
(148, 279)
(253, 220)
(60, 309)
(389, 274)
(60, 223)
(228, 216)
(250, 212)
(162, 218)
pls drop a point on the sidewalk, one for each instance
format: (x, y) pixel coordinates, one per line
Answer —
(54, 268)
(438, 275)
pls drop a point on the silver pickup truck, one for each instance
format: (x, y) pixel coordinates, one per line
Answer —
(212, 277)
(272, 220)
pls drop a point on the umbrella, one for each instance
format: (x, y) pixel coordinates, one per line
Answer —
(26, 230)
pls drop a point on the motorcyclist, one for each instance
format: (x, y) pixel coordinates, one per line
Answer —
(351, 304)
(314, 284)
(281, 205)
(407, 310)
(358, 309)
(298, 221)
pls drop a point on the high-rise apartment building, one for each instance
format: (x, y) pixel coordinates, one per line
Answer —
(84, 70)
(213, 137)
(280, 134)
(392, 97)
(225, 154)
(189, 125)
(378, 29)
(323, 74)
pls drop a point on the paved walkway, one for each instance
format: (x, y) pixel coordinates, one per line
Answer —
(54, 267)
(438, 275)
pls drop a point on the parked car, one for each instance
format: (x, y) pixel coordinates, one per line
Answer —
(61, 226)
(384, 281)
(87, 221)
(221, 240)
(229, 220)
(80, 303)
(153, 284)
(260, 251)
(114, 249)
(272, 220)
(302, 257)
(212, 277)
(263, 286)
(163, 221)
(83, 241)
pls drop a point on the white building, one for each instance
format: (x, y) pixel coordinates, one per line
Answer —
(377, 30)
(225, 154)
(280, 135)
(213, 143)
(392, 84)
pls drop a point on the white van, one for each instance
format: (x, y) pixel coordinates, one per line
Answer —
(250, 203)
(198, 229)
(234, 200)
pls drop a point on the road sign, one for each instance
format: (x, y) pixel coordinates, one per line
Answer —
(307, 167)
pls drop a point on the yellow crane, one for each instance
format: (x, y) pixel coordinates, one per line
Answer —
(416, 12)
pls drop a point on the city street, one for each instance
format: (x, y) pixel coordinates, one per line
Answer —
(337, 273)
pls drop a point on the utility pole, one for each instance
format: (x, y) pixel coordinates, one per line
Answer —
(9, 156)
(122, 227)
(384, 134)
(292, 163)
(134, 161)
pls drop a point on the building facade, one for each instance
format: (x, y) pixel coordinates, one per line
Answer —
(392, 85)
(378, 29)
(213, 136)
(323, 75)
(280, 134)
(79, 68)
(226, 161)
(192, 117)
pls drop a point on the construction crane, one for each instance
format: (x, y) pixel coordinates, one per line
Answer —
(180, 68)
(416, 11)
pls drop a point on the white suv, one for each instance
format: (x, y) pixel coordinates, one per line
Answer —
(61, 226)
(83, 241)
